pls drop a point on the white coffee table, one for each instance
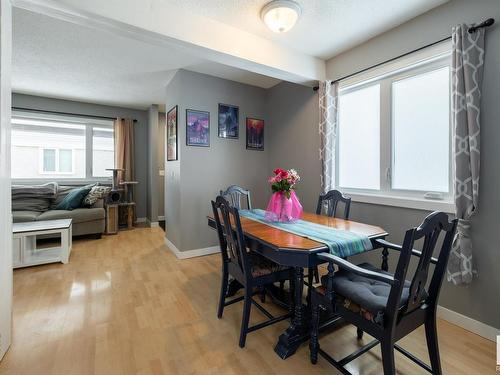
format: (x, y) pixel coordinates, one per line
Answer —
(24, 248)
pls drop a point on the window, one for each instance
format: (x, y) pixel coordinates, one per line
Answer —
(47, 146)
(362, 129)
(103, 151)
(56, 161)
(394, 132)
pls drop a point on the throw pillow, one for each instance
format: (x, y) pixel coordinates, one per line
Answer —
(73, 199)
(96, 193)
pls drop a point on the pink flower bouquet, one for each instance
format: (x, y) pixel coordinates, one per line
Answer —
(284, 206)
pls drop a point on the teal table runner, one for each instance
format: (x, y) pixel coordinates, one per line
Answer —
(340, 242)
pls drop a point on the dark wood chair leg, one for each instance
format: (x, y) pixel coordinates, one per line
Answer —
(432, 345)
(263, 295)
(387, 348)
(223, 291)
(246, 316)
(282, 288)
(310, 276)
(359, 333)
(291, 295)
(313, 342)
(316, 275)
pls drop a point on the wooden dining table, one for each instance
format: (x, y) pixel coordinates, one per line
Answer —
(292, 250)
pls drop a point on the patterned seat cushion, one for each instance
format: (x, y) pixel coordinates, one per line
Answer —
(261, 266)
(363, 295)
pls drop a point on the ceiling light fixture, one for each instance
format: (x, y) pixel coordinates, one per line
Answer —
(280, 15)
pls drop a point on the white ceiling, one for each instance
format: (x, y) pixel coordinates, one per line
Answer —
(59, 59)
(86, 62)
(325, 28)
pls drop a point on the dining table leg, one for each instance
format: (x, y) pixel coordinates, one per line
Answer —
(298, 330)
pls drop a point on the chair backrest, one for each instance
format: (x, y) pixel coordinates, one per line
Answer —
(234, 193)
(330, 201)
(231, 239)
(430, 230)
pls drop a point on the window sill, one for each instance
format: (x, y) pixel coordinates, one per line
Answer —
(406, 202)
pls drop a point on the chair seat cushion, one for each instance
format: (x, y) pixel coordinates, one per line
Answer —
(261, 266)
(363, 295)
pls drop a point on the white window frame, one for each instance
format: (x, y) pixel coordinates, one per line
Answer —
(424, 61)
(89, 124)
(57, 171)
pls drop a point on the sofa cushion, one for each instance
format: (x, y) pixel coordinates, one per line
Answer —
(79, 215)
(74, 199)
(48, 190)
(63, 191)
(24, 216)
(96, 193)
(30, 204)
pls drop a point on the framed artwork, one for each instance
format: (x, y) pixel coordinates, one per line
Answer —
(229, 121)
(172, 134)
(197, 128)
(255, 134)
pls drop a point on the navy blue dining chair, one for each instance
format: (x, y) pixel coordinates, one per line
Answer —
(250, 269)
(388, 306)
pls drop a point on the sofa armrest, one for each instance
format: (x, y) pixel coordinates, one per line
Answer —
(98, 204)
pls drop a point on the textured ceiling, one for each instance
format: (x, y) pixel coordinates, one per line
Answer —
(58, 59)
(325, 28)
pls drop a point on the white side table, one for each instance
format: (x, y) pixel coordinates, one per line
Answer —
(24, 247)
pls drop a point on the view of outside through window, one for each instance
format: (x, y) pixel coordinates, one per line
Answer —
(422, 137)
(359, 138)
(103, 151)
(48, 149)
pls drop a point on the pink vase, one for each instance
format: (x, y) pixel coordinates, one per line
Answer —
(283, 209)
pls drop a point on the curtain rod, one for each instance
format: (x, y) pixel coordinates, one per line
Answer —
(64, 113)
(472, 29)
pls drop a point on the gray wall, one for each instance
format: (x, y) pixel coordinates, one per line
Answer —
(161, 160)
(140, 132)
(172, 168)
(152, 185)
(480, 300)
(293, 140)
(201, 172)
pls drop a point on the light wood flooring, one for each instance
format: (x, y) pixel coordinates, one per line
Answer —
(125, 305)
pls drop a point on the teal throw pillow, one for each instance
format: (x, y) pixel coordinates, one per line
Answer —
(73, 199)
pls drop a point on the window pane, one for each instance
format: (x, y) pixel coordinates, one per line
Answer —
(65, 161)
(30, 135)
(359, 138)
(422, 132)
(103, 151)
(49, 160)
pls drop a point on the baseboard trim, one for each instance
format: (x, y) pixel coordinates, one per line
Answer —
(474, 326)
(161, 218)
(152, 224)
(140, 220)
(191, 253)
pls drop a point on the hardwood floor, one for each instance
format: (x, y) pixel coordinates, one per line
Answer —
(125, 305)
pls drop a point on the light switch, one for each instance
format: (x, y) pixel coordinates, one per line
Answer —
(161, 172)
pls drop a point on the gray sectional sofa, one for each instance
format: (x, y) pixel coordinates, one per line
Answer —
(39, 204)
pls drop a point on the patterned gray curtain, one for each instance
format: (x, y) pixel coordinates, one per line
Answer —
(467, 75)
(328, 119)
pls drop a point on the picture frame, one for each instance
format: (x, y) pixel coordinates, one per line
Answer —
(254, 134)
(171, 134)
(228, 121)
(197, 128)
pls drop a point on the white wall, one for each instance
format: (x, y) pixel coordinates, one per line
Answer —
(5, 203)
